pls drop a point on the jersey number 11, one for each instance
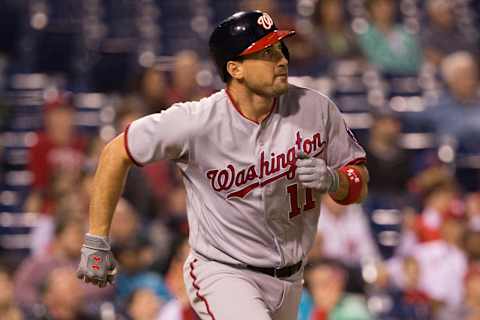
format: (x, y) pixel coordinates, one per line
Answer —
(294, 207)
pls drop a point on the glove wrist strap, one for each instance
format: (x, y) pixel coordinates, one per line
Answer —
(96, 242)
(335, 179)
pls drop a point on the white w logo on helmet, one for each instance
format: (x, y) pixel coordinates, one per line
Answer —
(265, 21)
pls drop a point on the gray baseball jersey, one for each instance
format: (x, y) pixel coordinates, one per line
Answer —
(244, 204)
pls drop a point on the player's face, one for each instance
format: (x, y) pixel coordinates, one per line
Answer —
(266, 72)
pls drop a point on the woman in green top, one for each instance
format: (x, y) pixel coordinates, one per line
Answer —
(388, 45)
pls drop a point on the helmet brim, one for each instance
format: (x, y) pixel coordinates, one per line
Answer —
(267, 40)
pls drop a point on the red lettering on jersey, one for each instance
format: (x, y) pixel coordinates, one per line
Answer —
(264, 166)
(307, 146)
(251, 174)
(265, 172)
(298, 141)
(240, 178)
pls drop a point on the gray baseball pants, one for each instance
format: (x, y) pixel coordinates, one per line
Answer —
(222, 292)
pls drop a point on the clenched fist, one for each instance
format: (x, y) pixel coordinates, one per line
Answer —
(97, 264)
(315, 174)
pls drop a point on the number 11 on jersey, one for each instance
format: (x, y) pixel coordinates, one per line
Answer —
(294, 207)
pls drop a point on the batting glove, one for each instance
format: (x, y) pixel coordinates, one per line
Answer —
(315, 174)
(97, 264)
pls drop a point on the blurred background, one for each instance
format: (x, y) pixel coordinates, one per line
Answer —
(404, 73)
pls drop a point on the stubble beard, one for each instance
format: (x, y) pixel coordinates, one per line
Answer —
(273, 91)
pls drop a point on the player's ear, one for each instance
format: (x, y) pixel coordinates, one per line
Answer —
(235, 69)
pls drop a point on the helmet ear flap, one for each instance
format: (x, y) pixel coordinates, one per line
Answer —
(285, 51)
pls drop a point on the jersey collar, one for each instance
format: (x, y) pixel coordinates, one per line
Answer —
(237, 108)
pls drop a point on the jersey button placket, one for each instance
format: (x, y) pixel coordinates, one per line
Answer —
(260, 149)
(262, 127)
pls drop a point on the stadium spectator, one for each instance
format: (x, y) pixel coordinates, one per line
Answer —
(440, 200)
(316, 253)
(43, 233)
(388, 163)
(126, 224)
(303, 58)
(348, 236)
(438, 241)
(169, 227)
(8, 306)
(144, 304)
(179, 307)
(153, 90)
(64, 251)
(325, 281)
(4, 115)
(472, 209)
(71, 203)
(332, 37)
(457, 112)
(470, 306)
(443, 264)
(92, 152)
(472, 291)
(416, 304)
(58, 146)
(184, 78)
(135, 257)
(62, 184)
(56, 158)
(62, 298)
(399, 300)
(472, 245)
(388, 45)
(441, 35)
(440, 230)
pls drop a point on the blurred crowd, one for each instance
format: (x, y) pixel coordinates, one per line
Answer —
(405, 75)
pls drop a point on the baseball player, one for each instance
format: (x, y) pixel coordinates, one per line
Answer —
(255, 159)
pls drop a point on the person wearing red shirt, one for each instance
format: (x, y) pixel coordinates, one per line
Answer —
(56, 158)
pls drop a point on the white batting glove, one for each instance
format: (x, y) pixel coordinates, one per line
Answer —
(315, 174)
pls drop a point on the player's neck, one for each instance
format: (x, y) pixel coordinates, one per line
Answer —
(251, 105)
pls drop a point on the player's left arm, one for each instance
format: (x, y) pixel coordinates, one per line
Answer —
(353, 184)
(342, 173)
(346, 159)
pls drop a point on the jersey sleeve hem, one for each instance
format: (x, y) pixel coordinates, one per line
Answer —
(125, 137)
(357, 161)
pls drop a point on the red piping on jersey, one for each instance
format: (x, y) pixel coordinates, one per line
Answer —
(357, 161)
(243, 115)
(125, 140)
(197, 290)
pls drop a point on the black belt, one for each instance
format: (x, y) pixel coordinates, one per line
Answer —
(284, 272)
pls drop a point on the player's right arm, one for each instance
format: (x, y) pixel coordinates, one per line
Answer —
(108, 185)
(97, 264)
(158, 136)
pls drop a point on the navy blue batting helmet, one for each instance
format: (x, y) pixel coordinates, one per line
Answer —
(241, 34)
